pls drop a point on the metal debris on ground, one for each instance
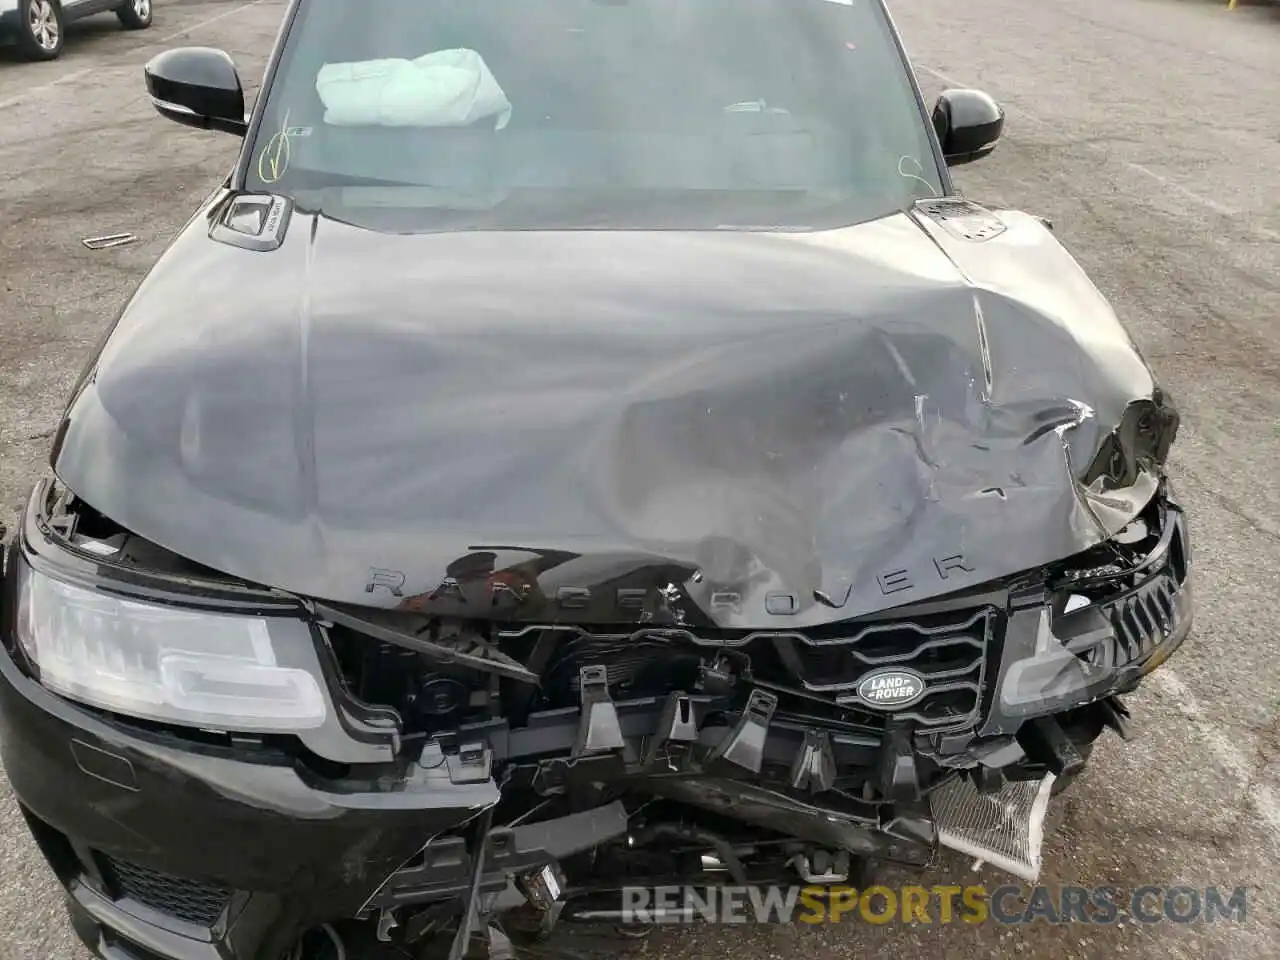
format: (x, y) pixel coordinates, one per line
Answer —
(109, 240)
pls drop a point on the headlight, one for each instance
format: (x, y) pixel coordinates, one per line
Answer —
(168, 664)
(1050, 677)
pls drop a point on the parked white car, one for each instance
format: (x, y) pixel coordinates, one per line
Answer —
(39, 26)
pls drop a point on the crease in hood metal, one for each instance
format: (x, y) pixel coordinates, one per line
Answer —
(748, 430)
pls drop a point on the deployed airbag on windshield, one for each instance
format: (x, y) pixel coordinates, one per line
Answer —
(448, 88)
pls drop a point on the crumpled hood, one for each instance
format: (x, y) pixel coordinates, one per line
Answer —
(740, 429)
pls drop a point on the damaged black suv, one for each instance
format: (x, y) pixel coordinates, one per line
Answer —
(583, 443)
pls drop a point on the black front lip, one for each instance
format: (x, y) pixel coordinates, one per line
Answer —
(114, 933)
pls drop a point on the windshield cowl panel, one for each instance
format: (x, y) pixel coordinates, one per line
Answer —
(585, 114)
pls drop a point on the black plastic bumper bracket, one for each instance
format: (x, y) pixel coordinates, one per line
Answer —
(1116, 716)
(899, 776)
(744, 745)
(677, 728)
(815, 766)
(1046, 742)
(599, 730)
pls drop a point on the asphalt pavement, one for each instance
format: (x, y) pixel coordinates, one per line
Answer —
(1148, 131)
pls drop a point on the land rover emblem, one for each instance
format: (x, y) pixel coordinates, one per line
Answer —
(891, 689)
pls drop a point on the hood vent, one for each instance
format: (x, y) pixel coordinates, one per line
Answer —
(963, 219)
(253, 221)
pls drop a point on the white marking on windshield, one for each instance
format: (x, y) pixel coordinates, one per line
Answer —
(903, 161)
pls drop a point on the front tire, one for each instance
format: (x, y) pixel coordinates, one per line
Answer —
(135, 14)
(41, 29)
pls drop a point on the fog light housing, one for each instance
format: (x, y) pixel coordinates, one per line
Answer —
(1051, 678)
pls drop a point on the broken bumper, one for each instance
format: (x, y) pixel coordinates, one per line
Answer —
(168, 853)
(172, 850)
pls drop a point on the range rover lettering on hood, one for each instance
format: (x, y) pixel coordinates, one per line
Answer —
(740, 430)
(631, 602)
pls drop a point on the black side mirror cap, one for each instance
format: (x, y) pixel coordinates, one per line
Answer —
(968, 123)
(198, 87)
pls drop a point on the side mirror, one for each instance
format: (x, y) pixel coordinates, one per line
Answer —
(968, 124)
(198, 87)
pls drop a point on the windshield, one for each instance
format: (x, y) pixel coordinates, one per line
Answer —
(610, 114)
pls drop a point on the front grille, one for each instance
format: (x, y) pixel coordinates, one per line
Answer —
(949, 653)
(188, 900)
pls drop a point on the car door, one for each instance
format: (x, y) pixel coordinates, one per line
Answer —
(77, 9)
